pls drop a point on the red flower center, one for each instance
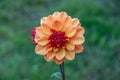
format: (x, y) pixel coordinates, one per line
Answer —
(57, 39)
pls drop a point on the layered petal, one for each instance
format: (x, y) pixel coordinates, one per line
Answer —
(43, 41)
(63, 16)
(79, 48)
(56, 14)
(66, 23)
(80, 31)
(71, 32)
(51, 20)
(48, 48)
(60, 54)
(46, 29)
(49, 56)
(43, 20)
(70, 46)
(41, 50)
(58, 61)
(78, 38)
(75, 22)
(40, 33)
(70, 55)
(57, 25)
(36, 38)
(47, 20)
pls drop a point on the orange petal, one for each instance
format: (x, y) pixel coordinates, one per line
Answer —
(41, 50)
(75, 22)
(80, 31)
(79, 48)
(43, 42)
(47, 20)
(56, 15)
(57, 25)
(58, 61)
(49, 48)
(40, 33)
(60, 54)
(37, 38)
(63, 16)
(51, 19)
(70, 32)
(70, 55)
(70, 46)
(67, 23)
(46, 29)
(77, 40)
(55, 49)
(43, 20)
(49, 56)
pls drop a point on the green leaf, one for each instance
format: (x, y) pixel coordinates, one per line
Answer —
(56, 75)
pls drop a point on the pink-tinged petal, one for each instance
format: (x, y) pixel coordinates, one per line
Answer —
(70, 55)
(51, 19)
(75, 22)
(56, 15)
(58, 61)
(79, 48)
(60, 54)
(47, 20)
(49, 56)
(70, 46)
(43, 42)
(43, 20)
(57, 25)
(63, 16)
(80, 31)
(37, 38)
(77, 40)
(41, 50)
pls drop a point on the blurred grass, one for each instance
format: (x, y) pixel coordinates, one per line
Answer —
(100, 59)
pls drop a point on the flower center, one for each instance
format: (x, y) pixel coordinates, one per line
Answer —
(57, 39)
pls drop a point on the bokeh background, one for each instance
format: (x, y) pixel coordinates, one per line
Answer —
(100, 59)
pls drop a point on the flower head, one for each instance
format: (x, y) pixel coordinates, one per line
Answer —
(59, 37)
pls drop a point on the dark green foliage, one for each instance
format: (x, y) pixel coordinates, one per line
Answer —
(100, 59)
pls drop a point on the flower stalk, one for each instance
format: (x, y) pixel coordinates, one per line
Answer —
(62, 71)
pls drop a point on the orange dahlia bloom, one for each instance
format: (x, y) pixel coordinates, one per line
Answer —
(59, 37)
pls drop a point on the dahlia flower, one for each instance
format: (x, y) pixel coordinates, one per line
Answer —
(59, 37)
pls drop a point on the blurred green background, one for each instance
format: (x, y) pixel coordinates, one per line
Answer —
(100, 59)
